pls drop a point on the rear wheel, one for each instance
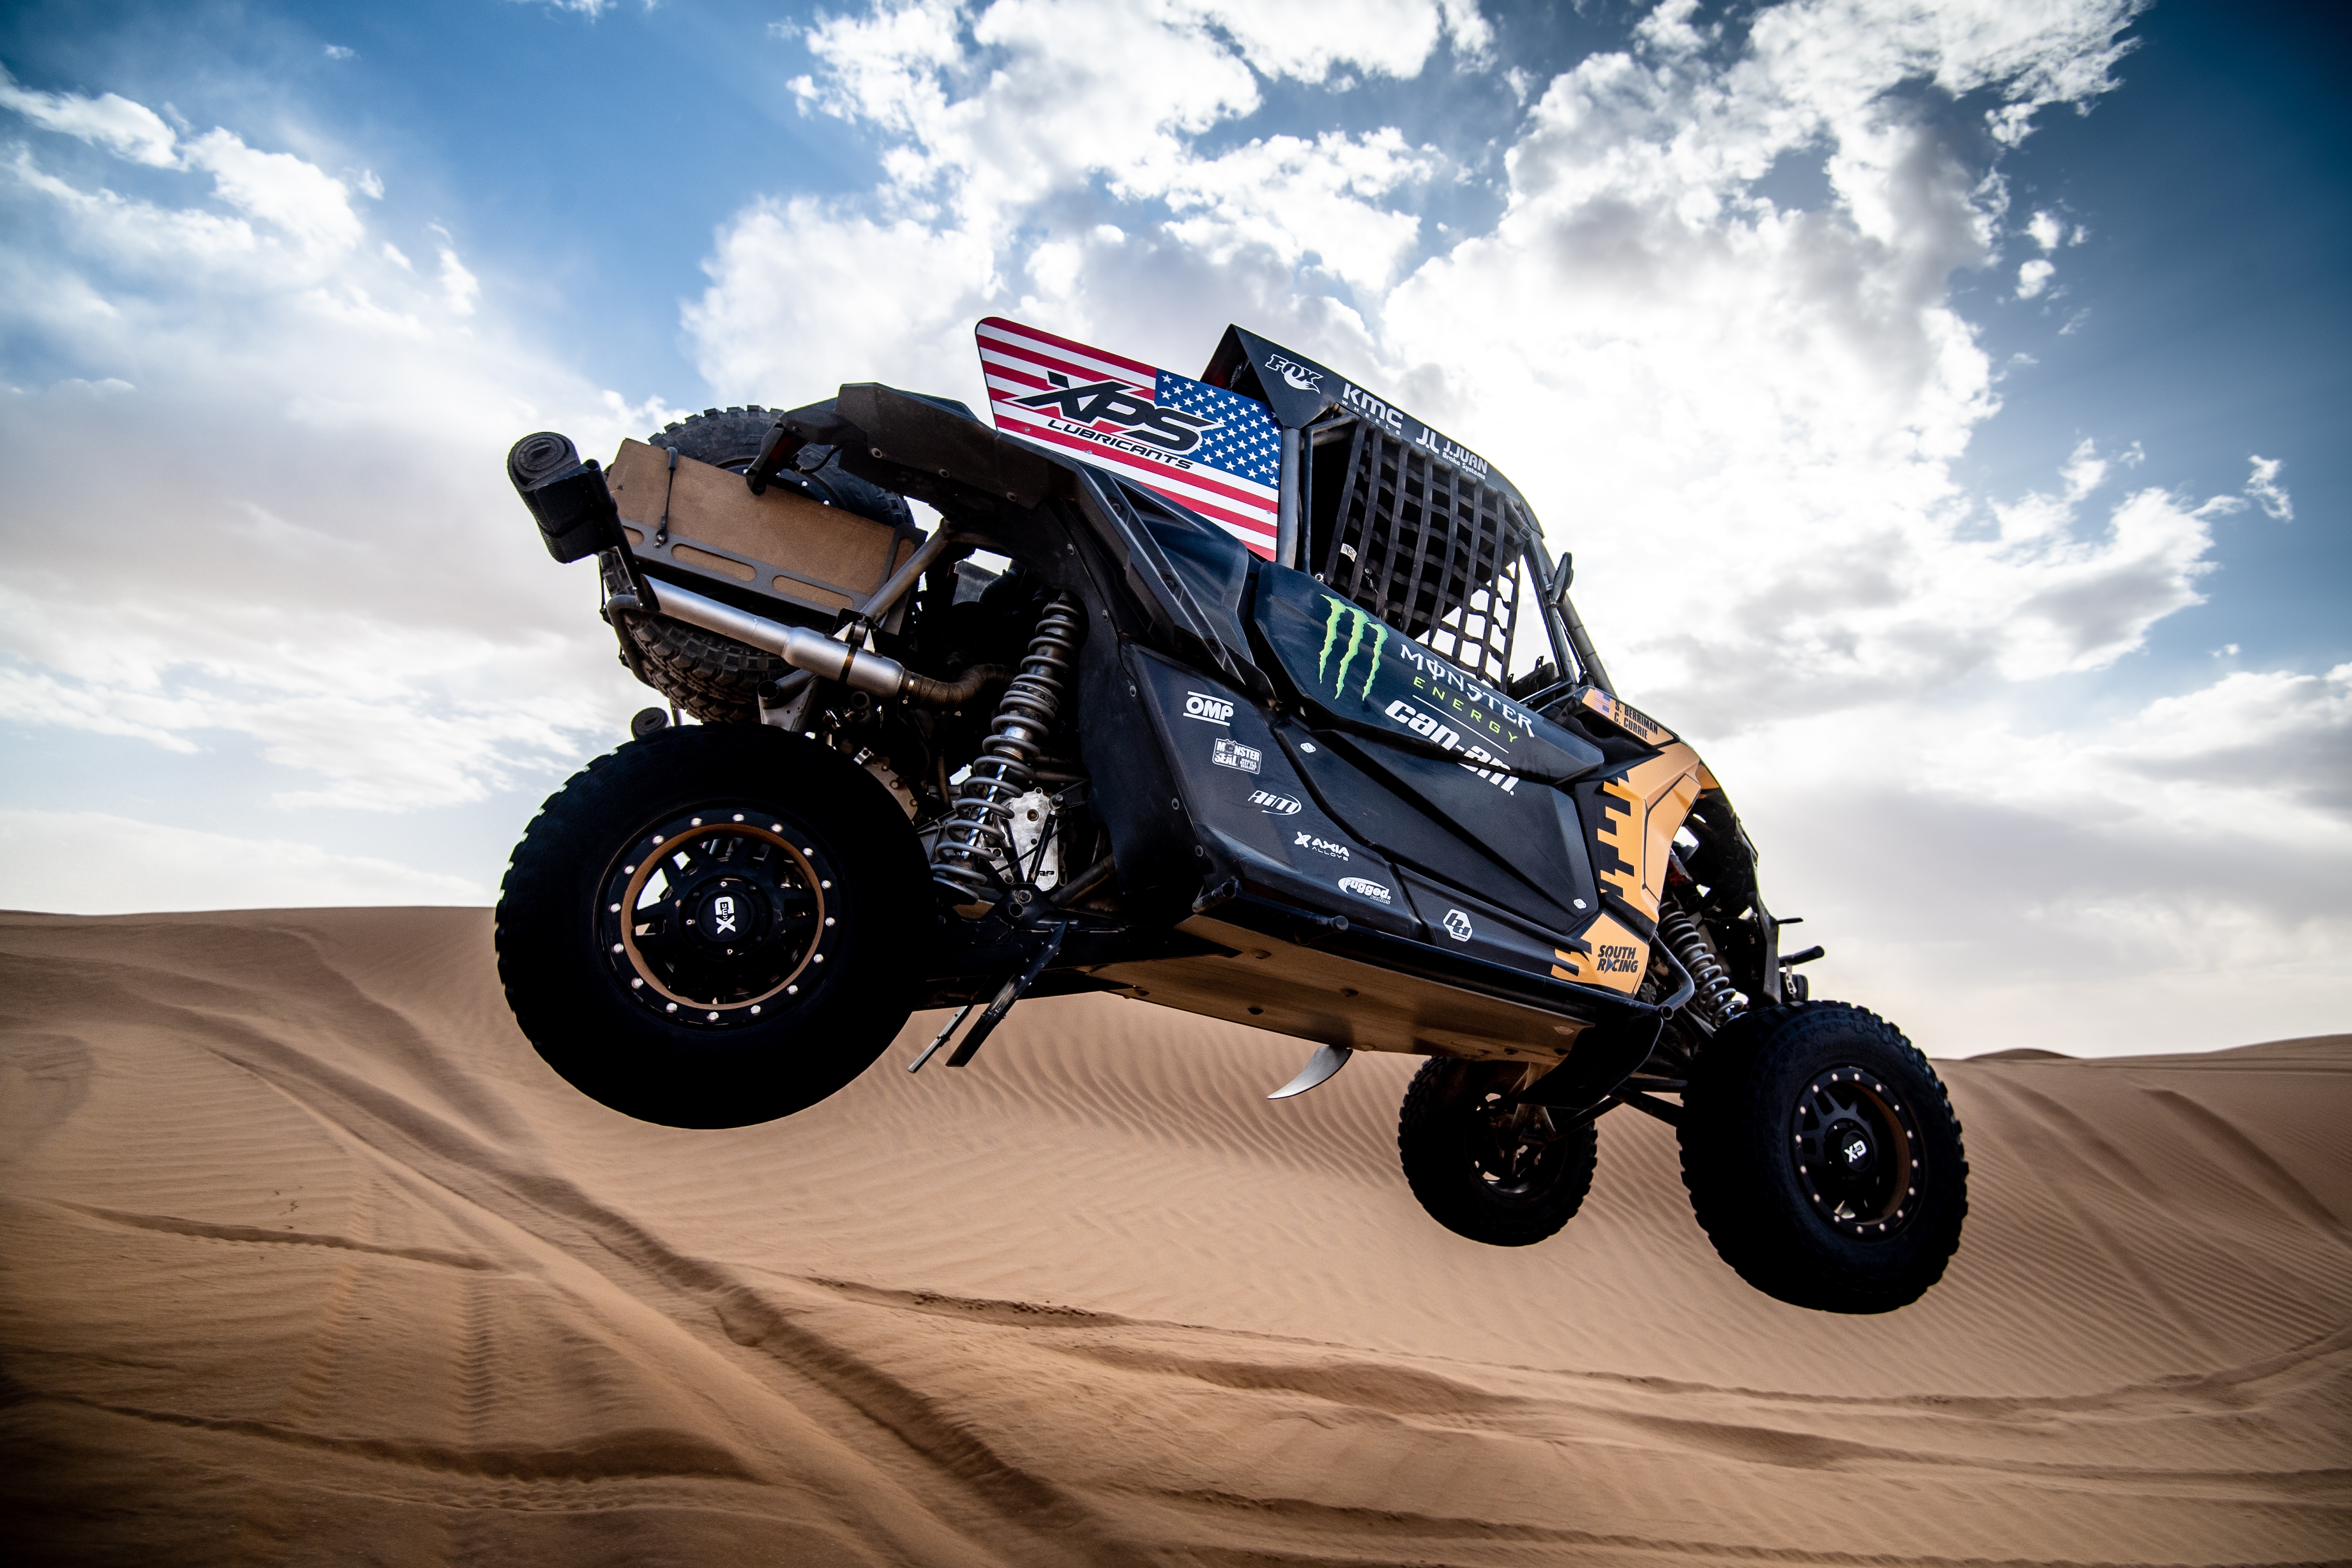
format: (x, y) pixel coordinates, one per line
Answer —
(714, 927)
(1823, 1159)
(1507, 1175)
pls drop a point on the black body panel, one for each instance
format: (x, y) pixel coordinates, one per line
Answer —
(1253, 812)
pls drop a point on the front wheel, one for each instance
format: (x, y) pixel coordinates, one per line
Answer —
(1823, 1159)
(714, 926)
(1503, 1173)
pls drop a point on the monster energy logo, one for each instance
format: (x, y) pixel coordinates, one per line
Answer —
(1341, 611)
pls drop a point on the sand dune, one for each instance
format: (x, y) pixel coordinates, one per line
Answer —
(307, 1258)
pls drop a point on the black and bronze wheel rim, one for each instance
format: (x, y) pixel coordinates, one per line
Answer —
(1517, 1148)
(716, 918)
(1858, 1153)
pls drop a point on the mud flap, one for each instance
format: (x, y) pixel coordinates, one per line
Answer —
(1604, 1056)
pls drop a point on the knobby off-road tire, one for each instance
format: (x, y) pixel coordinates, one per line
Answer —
(1823, 1157)
(715, 679)
(714, 927)
(1509, 1176)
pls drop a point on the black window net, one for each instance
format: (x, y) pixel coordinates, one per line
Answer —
(1419, 543)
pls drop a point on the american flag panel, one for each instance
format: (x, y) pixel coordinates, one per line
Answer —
(1201, 446)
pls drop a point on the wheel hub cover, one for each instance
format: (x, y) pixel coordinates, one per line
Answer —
(1857, 1152)
(715, 917)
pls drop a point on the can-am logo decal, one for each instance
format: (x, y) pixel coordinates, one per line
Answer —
(1321, 846)
(1342, 613)
(1295, 375)
(1362, 889)
(1115, 403)
(1457, 925)
(1274, 805)
(1437, 732)
(1232, 754)
(1207, 709)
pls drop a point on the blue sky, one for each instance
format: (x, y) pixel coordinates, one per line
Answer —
(1945, 405)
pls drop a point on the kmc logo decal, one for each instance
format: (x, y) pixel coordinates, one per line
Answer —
(1356, 621)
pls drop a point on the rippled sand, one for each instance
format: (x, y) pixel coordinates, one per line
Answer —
(307, 1258)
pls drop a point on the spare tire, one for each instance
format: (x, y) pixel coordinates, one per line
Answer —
(731, 438)
(716, 678)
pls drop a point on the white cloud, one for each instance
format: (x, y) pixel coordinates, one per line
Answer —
(87, 862)
(299, 198)
(315, 555)
(2266, 491)
(125, 129)
(340, 52)
(459, 287)
(1744, 420)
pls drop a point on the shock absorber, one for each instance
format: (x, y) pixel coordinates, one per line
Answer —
(1716, 997)
(976, 834)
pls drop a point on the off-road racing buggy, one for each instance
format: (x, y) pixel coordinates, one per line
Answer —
(1238, 728)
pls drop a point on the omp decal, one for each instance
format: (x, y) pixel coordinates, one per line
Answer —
(1456, 924)
(1607, 954)
(1362, 889)
(1357, 619)
(1321, 846)
(1640, 815)
(1275, 805)
(1627, 717)
(1437, 731)
(1232, 754)
(1208, 709)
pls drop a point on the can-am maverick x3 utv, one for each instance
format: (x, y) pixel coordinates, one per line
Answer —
(1234, 731)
